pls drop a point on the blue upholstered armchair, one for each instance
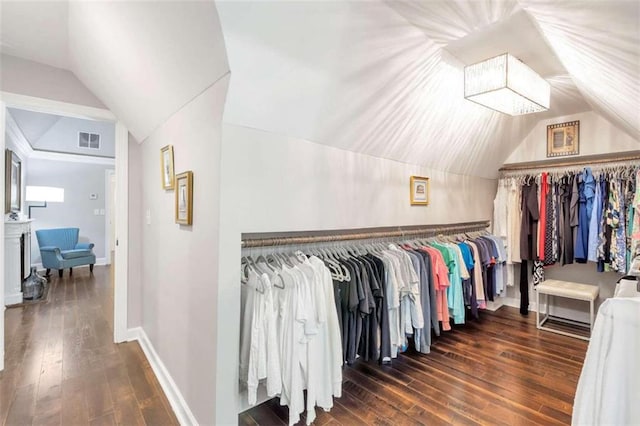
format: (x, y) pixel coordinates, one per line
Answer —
(59, 249)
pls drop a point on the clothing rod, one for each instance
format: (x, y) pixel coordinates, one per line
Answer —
(580, 161)
(323, 237)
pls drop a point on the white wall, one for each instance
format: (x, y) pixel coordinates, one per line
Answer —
(77, 210)
(276, 183)
(597, 136)
(180, 263)
(42, 81)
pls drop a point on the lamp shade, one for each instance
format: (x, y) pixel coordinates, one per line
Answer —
(507, 85)
(45, 193)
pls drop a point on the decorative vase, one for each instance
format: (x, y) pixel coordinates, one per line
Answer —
(33, 285)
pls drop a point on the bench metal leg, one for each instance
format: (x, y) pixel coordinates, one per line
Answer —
(540, 323)
(590, 317)
(537, 309)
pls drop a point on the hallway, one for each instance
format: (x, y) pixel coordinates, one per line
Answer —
(62, 367)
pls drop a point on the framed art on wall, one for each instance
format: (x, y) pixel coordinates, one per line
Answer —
(166, 167)
(12, 182)
(563, 139)
(419, 191)
(184, 198)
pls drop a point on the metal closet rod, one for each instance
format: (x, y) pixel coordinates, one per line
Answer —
(579, 161)
(347, 235)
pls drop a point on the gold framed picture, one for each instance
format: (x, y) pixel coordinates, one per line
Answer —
(419, 187)
(563, 139)
(12, 182)
(166, 167)
(184, 198)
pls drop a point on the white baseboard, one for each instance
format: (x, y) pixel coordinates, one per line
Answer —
(515, 303)
(101, 261)
(495, 305)
(179, 405)
(12, 299)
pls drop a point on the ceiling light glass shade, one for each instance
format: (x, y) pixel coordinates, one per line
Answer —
(507, 85)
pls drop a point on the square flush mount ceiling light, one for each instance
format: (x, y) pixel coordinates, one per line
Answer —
(507, 85)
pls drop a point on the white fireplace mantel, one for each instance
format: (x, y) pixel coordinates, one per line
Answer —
(13, 230)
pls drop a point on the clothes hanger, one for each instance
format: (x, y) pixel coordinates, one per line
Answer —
(263, 260)
(247, 261)
(272, 259)
(274, 282)
(334, 266)
(285, 259)
(276, 273)
(331, 252)
(300, 256)
(244, 274)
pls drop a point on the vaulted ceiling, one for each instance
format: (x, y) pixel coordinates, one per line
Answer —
(379, 77)
(386, 78)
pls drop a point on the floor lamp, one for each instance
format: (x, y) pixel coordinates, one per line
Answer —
(43, 194)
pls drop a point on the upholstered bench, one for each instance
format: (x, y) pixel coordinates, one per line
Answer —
(569, 290)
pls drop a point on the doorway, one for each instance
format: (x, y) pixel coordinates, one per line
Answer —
(120, 214)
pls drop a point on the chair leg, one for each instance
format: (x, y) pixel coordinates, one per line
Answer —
(48, 272)
(60, 273)
(70, 271)
(91, 268)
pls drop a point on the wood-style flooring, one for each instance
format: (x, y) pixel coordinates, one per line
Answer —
(500, 370)
(62, 367)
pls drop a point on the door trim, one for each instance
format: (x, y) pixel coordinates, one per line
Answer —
(108, 206)
(120, 296)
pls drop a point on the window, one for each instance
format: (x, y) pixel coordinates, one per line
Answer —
(89, 140)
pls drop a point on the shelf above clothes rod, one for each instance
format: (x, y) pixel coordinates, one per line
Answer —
(585, 160)
(309, 237)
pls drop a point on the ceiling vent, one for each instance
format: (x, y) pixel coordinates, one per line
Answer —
(89, 140)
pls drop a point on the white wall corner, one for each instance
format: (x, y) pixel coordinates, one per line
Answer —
(171, 390)
(19, 140)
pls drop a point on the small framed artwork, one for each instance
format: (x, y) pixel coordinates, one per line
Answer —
(166, 167)
(419, 191)
(184, 198)
(563, 139)
(13, 184)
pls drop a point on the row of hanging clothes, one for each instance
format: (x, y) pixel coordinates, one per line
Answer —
(307, 312)
(578, 214)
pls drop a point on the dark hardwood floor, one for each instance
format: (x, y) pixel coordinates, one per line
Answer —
(62, 367)
(500, 370)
